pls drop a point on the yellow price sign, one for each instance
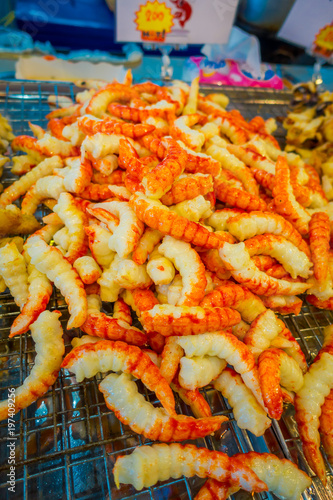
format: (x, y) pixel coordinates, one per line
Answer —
(154, 20)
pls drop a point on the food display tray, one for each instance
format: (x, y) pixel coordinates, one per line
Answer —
(67, 442)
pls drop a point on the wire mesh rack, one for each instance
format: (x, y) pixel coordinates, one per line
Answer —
(67, 442)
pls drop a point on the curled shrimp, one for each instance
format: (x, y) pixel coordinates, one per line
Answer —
(98, 239)
(40, 291)
(74, 219)
(183, 320)
(47, 333)
(237, 259)
(46, 187)
(78, 175)
(91, 126)
(264, 329)
(283, 304)
(231, 163)
(225, 346)
(149, 464)
(213, 263)
(100, 325)
(160, 268)
(105, 165)
(116, 178)
(21, 186)
(326, 429)
(14, 273)
(127, 233)
(232, 130)
(187, 187)
(276, 368)
(146, 244)
(122, 311)
(170, 358)
(28, 145)
(157, 216)
(229, 294)
(162, 109)
(181, 129)
(199, 371)
(319, 235)
(88, 269)
(99, 102)
(50, 261)
(293, 260)
(194, 399)
(284, 198)
(247, 411)
(247, 225)
(98, 192)
(87, 360)
(236, 197)
(252, 158)
(159, 179)
(308, 402)
(130, 407)
(191, 269)
(200, 162)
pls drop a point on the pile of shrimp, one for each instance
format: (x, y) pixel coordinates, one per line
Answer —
(173, 209)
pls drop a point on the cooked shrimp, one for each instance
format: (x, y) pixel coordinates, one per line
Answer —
(230, 162)
(126, 235)
(109, 288)
(40, 291)
(276, 368)
(319, 235)
(181, 129)
(79, 175)
(87, 360)
(21, 186)
(159, 180)
(158, 216)
(14, 273)
(146, 244)
(190, 267)
(170, 358)
(160, 269)
(247, 412)
(199, 162)
(194, 399)
(183, 320)
(149, 464)
(130, 275)
(46, 187)
(216, 490)
(318, 382)
(193, 210)
(284, 198)
(98, 238)
(122, 311)
(130, 407)
(248, 225)
(213, 263)
(293, 260)
(88, 269)
(101, 145)
(283, 304)
(236, 197)
(98, 192)
(225, 346)
(237, 259)
(99, 102)
(252, 158)
(47, 333)
(50, 261)
(100, 325)
(199, 371)
(326, 428)
(91, 126)
(229, 294)
(187, 187)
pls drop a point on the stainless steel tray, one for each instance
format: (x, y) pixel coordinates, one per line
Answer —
(68, 441)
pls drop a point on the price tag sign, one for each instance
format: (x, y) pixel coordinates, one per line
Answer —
(310, 25)
(175, 21)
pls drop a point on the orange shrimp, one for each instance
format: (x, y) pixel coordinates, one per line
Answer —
(216, 490)
(319, 235)
(88, 359)
(183, 320)
(229, 294)
(326, 427)
(105, 165)
(154, 144)
(149, 464)
(270, 266)
(294, 350)
(57, 125)
(214, 263)
(106, 327)
(237, 260)
(236, 197)
(29, 145)
(244, 226)
(129, 160)
(160, 178)
(194, 399)
(73, 110)
(40, 291)
(284, 198)
(252, 158)
(102, 98)
(275, 367)
(115, 178)
(264, 178)
(146, 245)
(181, 129)
(200, 163)
(235, 133)
(317, 195)
(158, 216)
(97, 192)
(131, 408)
(321, 304)
(108, 126)
(137, 115)
(122, 311)
(171, 355)
(283, 304)
(187, 188)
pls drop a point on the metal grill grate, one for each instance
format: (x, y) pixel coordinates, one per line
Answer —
(67, 442)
